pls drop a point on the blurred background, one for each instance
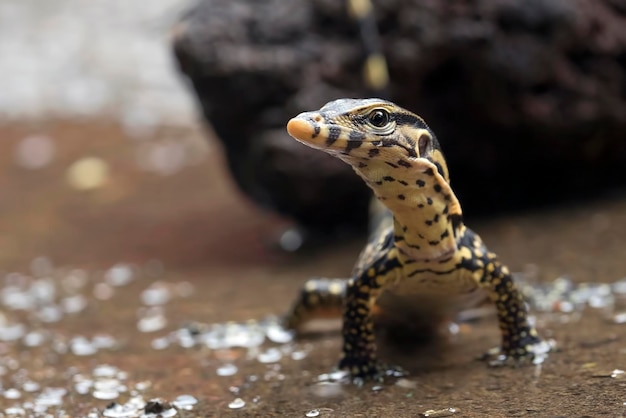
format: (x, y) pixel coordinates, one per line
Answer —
(93, 112)
(147, 184)
(67, 59)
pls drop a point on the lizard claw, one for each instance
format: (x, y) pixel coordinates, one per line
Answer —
(534, 352)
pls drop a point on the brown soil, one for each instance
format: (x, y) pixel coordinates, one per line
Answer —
(205, 233)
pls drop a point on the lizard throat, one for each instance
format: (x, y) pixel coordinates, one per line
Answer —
(427, 215)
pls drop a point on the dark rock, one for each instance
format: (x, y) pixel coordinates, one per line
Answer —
(528, 97)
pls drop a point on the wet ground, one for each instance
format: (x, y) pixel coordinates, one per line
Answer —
(130, 269)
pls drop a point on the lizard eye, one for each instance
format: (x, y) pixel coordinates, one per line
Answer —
(378, 118)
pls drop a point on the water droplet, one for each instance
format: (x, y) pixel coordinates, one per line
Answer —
(33, 339)
(83, 387)
(237, 403)
(104, 341)
(143, 386)
(619, 318)
(619, 287)
(12, 394)
(278, 334)
(80, 346)
(17, 299)
(186, 340)
(232, 335)
(271, 355)
(185, 402)
(440, 413)
(105, 370)
(168, 413)
(566, 306)
(137, 402)
(453, 328)
(50, 397)
(299, 355)
(313, 413)
(151, 319)
(107, 383)
(30, 386)
(74, 304)
(12, 332)
(43, 290)
(16, 411)
(226, 370)
(35, 152)
(50, 314)
(160, 343)
(119, 275)
(106, 395)
(335, 376)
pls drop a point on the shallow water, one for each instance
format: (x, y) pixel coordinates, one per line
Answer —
(143, 290)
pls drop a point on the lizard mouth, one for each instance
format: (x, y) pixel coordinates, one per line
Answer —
(306, 130)
(311, 129)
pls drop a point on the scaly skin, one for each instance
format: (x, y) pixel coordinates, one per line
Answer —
(419, 249)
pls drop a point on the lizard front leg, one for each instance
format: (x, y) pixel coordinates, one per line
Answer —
(359, 353)
(519, 338)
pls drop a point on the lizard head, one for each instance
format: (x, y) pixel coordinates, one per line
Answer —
(361, 131)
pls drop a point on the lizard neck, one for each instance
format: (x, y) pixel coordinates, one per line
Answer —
(427, 214)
